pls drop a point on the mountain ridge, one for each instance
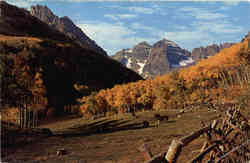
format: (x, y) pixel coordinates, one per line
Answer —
(66, 26)
(208, 51)
(19, 22)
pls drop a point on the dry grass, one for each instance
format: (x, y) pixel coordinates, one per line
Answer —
(119, 140)
(9, 38)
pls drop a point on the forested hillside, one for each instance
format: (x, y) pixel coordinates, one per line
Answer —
(216, 80)
(38, 61)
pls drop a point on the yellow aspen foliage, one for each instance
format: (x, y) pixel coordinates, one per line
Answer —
(207, 80)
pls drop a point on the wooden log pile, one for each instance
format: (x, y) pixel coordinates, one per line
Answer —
(227, 140)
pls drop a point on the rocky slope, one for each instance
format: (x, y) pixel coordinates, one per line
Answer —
(66, 26)
(45, 62)
(157, 59)
(206, 52)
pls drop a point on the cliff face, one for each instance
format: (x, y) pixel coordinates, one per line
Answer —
(206, 52)
(157, 59)
(66, 26)
(158, 62)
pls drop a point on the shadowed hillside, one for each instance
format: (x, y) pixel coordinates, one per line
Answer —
(37, 60)
(66, 26)
(18, 22)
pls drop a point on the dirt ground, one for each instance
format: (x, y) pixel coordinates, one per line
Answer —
(112, 140)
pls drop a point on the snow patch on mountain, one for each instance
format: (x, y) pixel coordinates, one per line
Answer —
(171, 43)
(129, 51)
(129, 63)
(183, 63)
(186, 62)
(142, 65)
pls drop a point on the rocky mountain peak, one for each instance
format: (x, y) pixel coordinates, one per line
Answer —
(44, 14)
(141, 50)
(66, 26)
(206, 52)
(165, 43)
(143, 44)
(66, 18)
(158, 59)
(171, 43)
(160, 43)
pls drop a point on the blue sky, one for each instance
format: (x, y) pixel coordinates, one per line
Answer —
(115, 25)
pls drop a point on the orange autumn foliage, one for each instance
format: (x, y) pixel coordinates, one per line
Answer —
(197, 83)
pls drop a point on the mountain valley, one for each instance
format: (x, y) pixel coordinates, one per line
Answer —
(63, 99)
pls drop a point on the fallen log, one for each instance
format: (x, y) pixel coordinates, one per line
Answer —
(160, 158)
(189, 138)
(202, 154)
(233, 150)
(176, 145)
(174, 151)
(220, 140)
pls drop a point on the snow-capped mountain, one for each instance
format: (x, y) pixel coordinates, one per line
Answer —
(151, 60)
